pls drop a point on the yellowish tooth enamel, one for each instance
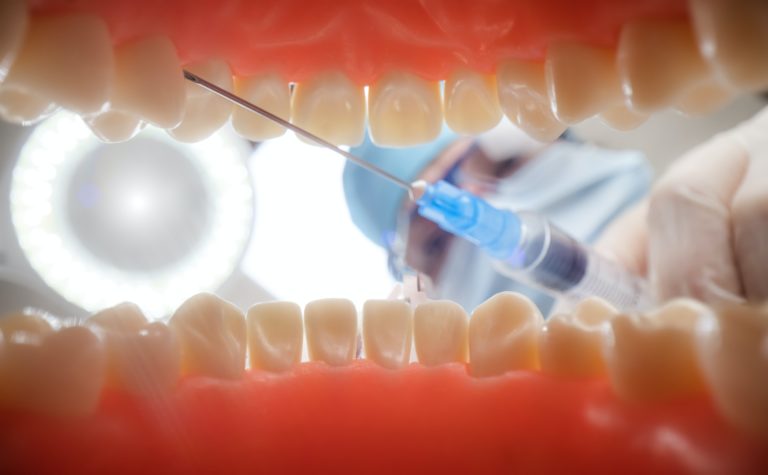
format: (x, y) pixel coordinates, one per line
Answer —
(387, 332)
(114, 126)
(524, 100)
(149, 82)
(77, 44)
(732, 349)
(26, 322)
(471, 102)
(275, 336)
(733, 36)
(55, 373)
(331, 328)
(440, 333)
(404, 110)
(269, 91)
(503, 335)
(651, 357)
(212, 335)
(571, 344)
(581, 80)
(703, 98)
(13, 25)
(657, 62)
(620, 117)
(330, 106)
(22, 108)
(142, 357)
(205, 112)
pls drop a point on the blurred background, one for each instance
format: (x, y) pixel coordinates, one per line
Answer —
(84, 225)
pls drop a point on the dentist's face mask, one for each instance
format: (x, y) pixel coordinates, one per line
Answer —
(580, 188)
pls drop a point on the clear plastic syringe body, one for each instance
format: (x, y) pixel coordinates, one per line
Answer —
(528, 248)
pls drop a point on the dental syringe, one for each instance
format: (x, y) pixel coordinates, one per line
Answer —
(525, 246)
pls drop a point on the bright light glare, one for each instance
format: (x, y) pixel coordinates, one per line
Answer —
(38, 188)
(304, 244)
(136, 202)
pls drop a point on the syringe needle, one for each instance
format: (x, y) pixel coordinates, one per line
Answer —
(304, 133)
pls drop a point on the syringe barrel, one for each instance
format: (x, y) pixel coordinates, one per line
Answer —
(548, 258)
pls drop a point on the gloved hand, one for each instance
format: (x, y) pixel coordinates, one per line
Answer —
(703, 231)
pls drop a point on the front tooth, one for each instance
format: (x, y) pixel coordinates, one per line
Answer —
(114, 126)
(330, 106)
(204, 111)
(404, 110)
(275, 336)
(77, 44)
(387, 332)
(651, 357)
(703, 98)
(581, 80)
(57, 373)
(149, 83)
(440, 333)
(657, 62)
(523, 97)
(331, 327)
(732, 348)
(620, 117)
(13, 25)
(142, 357)
(212, 335)
(471, 102)
(733, 36)
(571, 344)
(503, 334)
(269, 91)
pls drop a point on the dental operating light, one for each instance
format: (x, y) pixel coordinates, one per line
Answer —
(151, 220)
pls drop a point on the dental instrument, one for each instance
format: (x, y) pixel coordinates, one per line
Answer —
(524, 245)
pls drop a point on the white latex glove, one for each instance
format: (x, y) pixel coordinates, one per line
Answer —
(703, 231)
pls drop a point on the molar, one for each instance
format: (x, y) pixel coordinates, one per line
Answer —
(142, 357)
(13, 26)
(657, 62)
(58, 373)
(387, 332)
(732, 349)
(581, 80)
(330, 106)
(275, 336)
(404, 110)
(81, 46)
(524, 100)
(471, 102)
(24, 109)
(204, 111)
(331, 328)
(503, 335)
(571, 344)
(733, 37)
(269, 91)
(149, 84)
(651, 357)
(440, 330)
(27, 322)
(212, 336)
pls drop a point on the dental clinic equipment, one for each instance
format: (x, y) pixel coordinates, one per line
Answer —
(525, 246)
